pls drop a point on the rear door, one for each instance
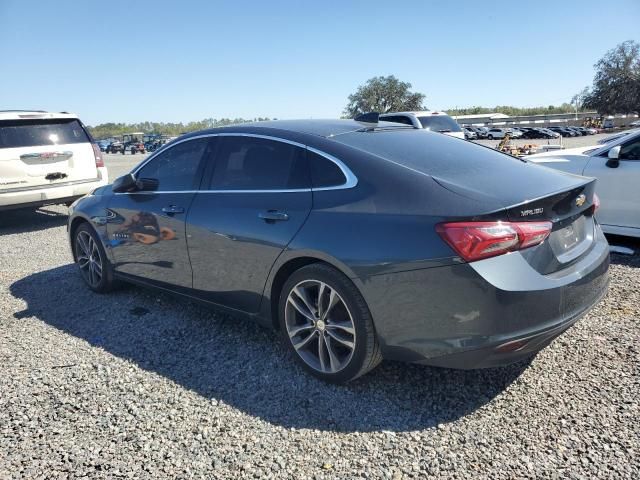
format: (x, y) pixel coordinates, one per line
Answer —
(43, 152)
(258, 196)
(618, 188)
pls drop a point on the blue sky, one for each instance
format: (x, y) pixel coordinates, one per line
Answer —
(179, 61)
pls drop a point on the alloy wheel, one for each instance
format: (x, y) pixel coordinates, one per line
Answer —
(89, 258)
(320, 326)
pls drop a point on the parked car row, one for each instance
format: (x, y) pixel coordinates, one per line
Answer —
(574, 131)
(131, 143)
(472, 132)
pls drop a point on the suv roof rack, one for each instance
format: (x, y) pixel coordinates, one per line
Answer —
(39, 111)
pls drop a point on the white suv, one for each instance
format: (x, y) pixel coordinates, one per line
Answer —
(46, 158)
(433, 121)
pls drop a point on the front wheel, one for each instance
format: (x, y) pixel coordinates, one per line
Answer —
(91, 259)
(490, 137)
(326, 324)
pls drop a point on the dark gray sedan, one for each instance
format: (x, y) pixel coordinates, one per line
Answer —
(358, 242)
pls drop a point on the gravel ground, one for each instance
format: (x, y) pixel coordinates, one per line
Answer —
(139, 384)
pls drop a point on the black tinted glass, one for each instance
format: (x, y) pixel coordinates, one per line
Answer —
(325, 173)
(248, 163)
(397, 119)
(35, 133)
(440, 123)
(176, 169)
(631, 150)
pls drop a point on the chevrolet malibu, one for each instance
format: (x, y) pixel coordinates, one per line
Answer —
(358, 241)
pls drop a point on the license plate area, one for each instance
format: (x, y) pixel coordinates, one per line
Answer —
(571, 241)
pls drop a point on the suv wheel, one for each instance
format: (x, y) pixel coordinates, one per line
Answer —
(490, 137)
(91, 259)
(327, 325)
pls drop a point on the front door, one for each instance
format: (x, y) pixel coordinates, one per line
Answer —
(257, 198)
(618, 188)
(146, 228)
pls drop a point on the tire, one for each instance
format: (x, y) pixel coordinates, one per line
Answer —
(337, 345)
(86, 244)
(490, 137)
(133, 151)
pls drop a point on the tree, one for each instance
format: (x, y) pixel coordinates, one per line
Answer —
(383, 94)
(579, 98)
(616, 85)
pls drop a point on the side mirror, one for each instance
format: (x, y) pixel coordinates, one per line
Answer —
(126, 183)
(614, 157)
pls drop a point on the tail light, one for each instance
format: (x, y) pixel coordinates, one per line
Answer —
(477, 240)
(98, 155)
(596, 203)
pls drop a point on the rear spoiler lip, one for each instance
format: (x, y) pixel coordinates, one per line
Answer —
(506, 212)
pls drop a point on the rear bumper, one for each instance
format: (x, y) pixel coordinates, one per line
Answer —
(49, 195)
(469, 315)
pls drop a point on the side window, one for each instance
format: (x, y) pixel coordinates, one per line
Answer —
(249, 163)
(631, 151)
(324, 173)
(175, 169)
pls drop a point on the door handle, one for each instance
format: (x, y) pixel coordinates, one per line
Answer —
(172, 209)
(271, 216)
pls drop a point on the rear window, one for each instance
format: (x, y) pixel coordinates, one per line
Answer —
(439, 123)
(248, 163)
(36, 133)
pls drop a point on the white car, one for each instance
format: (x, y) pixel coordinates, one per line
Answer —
(433, 121)
(46, 158)
(495, 133)
(616, 165)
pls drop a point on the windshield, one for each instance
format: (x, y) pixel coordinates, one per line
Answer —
(439, 123)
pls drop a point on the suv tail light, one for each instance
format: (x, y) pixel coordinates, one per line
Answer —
(596, 203)
(98, 155)
(477, 240)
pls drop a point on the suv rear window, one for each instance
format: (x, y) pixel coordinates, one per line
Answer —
(35, 133)
(439, 123)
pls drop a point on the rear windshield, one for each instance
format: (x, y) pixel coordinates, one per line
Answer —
(440, 123)
(35, 133)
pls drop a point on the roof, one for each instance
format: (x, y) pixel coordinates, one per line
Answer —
(33, 114)
(322, 128)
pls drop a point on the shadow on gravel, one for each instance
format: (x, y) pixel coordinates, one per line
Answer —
(245, 366)
(30, 219)
(629, 243)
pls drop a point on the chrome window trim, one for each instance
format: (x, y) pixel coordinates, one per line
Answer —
(351, 179)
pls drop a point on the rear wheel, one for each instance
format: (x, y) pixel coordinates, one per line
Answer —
(490, 137)
(91, 259)
(327, 325)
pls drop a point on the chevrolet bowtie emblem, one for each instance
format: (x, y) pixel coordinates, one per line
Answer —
(580, 199)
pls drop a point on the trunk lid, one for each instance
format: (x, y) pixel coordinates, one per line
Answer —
(44, 152)
(516, 190)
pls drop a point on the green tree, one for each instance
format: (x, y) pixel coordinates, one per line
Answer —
(616, 85)
(383, 94)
